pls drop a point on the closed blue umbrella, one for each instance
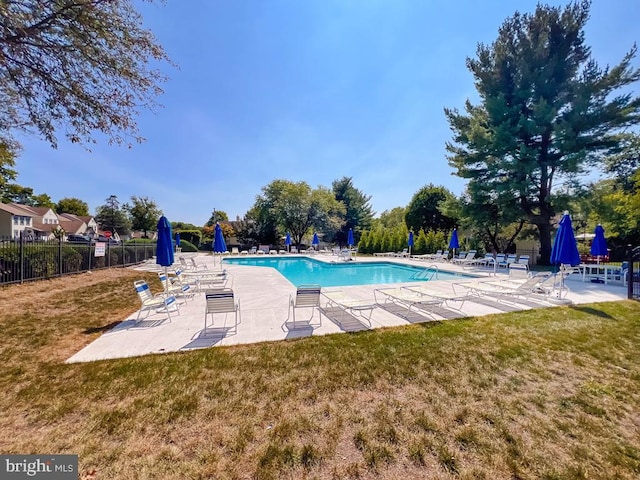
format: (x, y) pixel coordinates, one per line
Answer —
(565, 249)
(453, 243)
(599, 244)
(219, 245)
(410, 242)
(287, 241)
(178, 239)
(164, 247)
(315, 240)
(350, 241)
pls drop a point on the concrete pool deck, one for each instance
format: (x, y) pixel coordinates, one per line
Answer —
(264, 295)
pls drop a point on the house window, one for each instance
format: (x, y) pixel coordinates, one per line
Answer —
(21, 220)
(15, 220)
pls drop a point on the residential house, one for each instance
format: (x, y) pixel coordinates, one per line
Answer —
(39, 223)
(80, 225)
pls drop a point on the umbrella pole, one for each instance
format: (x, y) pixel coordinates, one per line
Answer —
(166, 281)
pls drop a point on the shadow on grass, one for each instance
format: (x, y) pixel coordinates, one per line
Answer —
(591, 311)
(101, 329)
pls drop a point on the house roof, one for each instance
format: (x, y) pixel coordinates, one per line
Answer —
(72, 223)
(37, 211)
(15, 209)
(44, 227)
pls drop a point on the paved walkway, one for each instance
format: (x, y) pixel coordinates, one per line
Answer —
(264, 299)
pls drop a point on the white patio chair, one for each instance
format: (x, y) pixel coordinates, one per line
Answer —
(306, 296)
(222, 301)
(150, 302)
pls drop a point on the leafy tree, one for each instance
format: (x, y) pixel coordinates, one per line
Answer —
(177, 226)
(112, 217)
(296, 208)
(216, 217)
(24, 196)
(626, 163)
(72, 205)
(393, 217)
(143, 214)
(76, 65)
(7, 173)
(495, 221)
(358, 211)
(424, 212)
(547, 111)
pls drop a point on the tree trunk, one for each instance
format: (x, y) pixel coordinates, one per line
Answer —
(545, 242)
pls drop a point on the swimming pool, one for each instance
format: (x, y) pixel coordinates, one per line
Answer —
(303, 270)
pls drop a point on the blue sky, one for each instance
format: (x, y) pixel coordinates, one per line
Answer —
(309, 90)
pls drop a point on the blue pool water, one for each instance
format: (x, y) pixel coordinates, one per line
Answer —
(302, 270)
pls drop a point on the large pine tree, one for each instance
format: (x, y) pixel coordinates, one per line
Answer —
(547, 112)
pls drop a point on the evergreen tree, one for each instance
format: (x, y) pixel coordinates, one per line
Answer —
(358, 212)
(548, 112)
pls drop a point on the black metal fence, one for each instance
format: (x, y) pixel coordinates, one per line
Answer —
(23, 260)
(633, 277)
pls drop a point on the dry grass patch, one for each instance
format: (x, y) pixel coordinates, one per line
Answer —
(547, 394)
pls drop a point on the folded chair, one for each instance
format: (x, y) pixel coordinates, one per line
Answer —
(150, 302)
(306, 296)
(220, 301)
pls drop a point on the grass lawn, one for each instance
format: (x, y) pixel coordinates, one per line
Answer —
(544, 394)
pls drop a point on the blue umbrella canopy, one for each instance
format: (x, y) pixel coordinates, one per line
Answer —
(219, 245)
(410, 242)
(178, 239)
(287, 240)
(164, 248)
(350, 237)
(565, 250)
(453, 243)
(599, 243)
(315, 240)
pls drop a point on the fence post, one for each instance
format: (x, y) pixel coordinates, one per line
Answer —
(60, 257)
(630, 273)
(21, 257)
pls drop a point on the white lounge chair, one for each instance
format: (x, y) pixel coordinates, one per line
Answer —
(533, 287)
(404, 302)
(447, 298)
(354, 306)
(468, 258)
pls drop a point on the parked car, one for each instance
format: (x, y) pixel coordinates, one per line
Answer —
(109, 240)
(74, 238)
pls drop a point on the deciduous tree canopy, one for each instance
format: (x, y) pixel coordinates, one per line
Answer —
(80, 66)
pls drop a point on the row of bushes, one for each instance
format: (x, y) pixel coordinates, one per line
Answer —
(396, 239)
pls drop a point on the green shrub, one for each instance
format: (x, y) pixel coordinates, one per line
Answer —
(187, 246)
(194, 237)
(141, 240)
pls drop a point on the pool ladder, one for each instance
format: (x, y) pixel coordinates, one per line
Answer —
(427, 274)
